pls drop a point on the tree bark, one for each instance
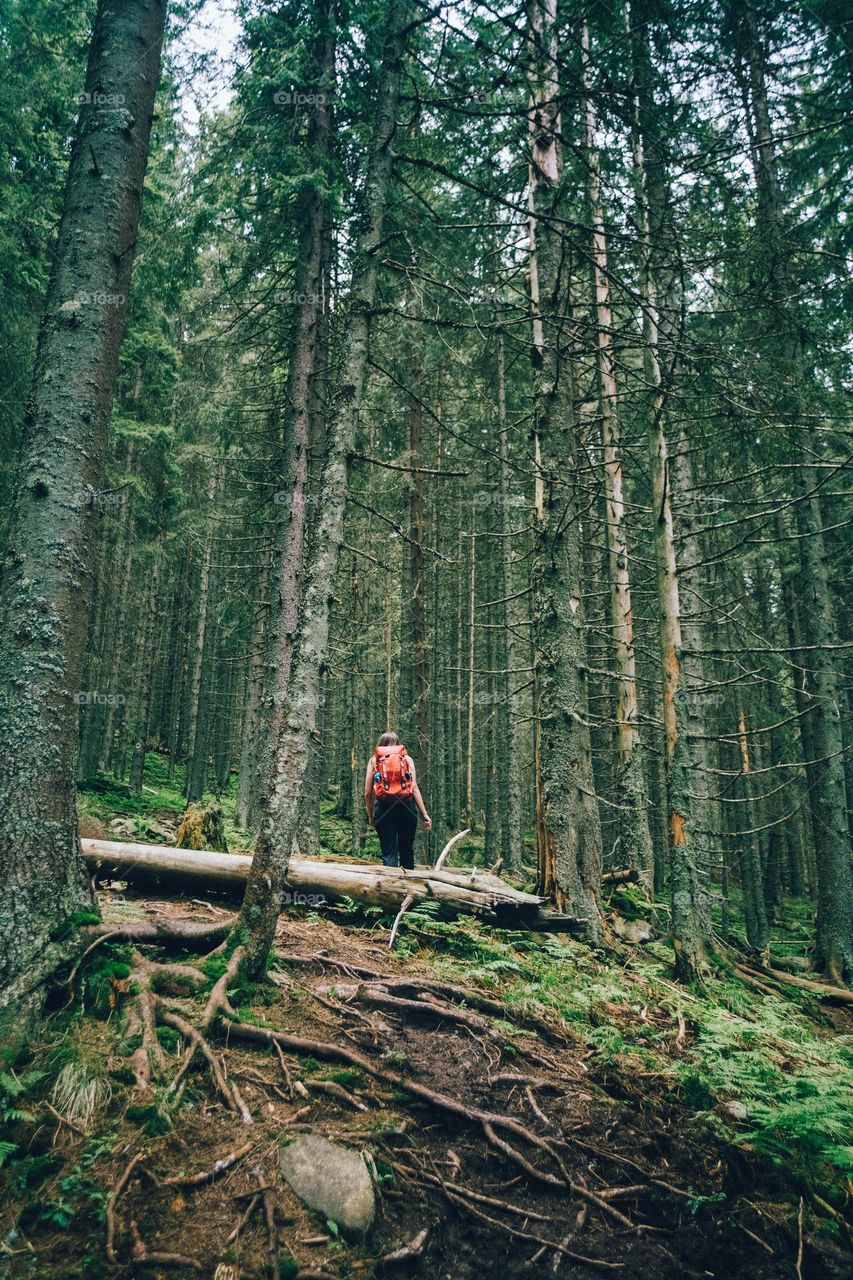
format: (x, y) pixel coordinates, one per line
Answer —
(46, 583)
(834, 938)
(573, 854)
(474, 892)
(635, 841)
(689, 919)
(509, 737)
(260, 908)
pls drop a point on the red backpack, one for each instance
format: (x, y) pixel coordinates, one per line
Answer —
(392, 776)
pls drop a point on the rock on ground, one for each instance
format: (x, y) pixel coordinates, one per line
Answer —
(331, 1180)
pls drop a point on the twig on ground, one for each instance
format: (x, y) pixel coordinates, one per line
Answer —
(413, 1249)
(535, 1108)
(208, 1175)
(64, 1120)
(250, 1209)
(406, 903)
(268, 1200)
(111, 1205)
(143, 1256)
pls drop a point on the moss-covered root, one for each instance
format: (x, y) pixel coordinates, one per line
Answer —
(145, 976)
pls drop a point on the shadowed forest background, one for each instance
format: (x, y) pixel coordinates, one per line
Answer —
(483, 374)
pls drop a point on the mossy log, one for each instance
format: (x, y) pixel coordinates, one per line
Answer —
(476, 892)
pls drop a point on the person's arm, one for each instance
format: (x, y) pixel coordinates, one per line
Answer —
(418, 798)
(368, 789)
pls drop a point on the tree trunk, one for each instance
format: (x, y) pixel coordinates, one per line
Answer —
(634, 837)
(570, 811)
(834, 941)
(259, 913)
(474, 892)
(197, 736)
(46, 581)
(509, 737)
(146, 659)
(689, 920)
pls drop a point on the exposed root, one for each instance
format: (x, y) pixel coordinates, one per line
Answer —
(162, 932)
(835, 994)
(425, 989)
(217, 1002)
(228, 1092)
(408, 1252)
(429, 1004)
(111, 1206)
(143, 1256)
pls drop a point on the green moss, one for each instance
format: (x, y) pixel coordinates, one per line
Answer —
(169, 1038)
(347, 1076)
(150, 1119)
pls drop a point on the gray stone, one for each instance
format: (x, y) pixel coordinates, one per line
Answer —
(331, 1180)
(632, 931)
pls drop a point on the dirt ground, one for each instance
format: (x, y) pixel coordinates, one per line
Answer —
(665, 1199)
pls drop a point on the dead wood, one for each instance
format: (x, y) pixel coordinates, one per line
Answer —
(413, 1249)
(208, 1175)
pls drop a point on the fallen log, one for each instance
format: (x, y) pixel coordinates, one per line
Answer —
(473, 892)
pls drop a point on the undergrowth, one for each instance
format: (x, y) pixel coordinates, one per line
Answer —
(762, 1071)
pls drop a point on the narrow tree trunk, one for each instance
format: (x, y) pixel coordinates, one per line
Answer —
(689, 920)
(250, 747)
(146, 662)
(570, 811)
(635, 842)
(751, 875)
(196, 736)
(259, 914)
(509, 737)
(469, 815)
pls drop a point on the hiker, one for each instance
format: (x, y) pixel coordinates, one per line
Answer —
(391, 794)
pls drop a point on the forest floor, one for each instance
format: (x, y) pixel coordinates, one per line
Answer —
(702, 1132)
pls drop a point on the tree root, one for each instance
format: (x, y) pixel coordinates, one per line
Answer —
(111, 1206)
(228, 1091)
(143, 1256)
(490, 1121)
(838, 995)
(408, 1252)
(420, 985)
(162, 932)
(461, 1202)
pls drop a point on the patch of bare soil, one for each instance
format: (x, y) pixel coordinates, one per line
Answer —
(496, 1154)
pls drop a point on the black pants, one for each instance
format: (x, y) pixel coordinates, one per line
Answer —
(396, 823)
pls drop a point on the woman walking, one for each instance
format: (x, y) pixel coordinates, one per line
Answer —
(393, 799)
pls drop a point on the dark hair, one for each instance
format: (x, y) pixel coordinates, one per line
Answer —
(389, 739)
